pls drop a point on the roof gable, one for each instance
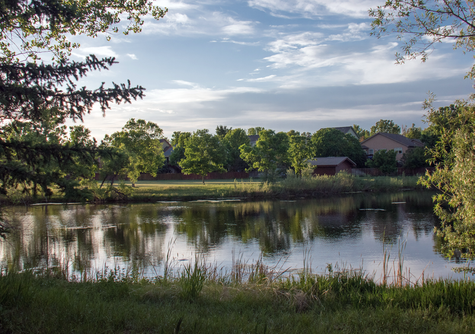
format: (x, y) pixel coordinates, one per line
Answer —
(330, 161)
(408, 142)
(346, 130)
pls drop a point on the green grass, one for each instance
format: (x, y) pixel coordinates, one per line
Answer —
(291, 187)
(343, 302)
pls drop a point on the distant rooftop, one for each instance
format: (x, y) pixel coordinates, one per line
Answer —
(408, 142)
(330, 161)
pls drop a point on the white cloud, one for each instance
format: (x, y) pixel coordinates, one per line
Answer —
(262, 79)
(241, 28)
(314, 8)
(185, 83)
(294, 41)
(198, 20)
(170, 98)
(353, 32)
(132, 56)
(228, 40)
(99, 51)
(313, 63)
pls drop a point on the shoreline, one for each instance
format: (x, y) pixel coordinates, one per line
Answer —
(287, 189)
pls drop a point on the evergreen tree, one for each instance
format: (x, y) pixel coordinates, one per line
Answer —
(35, 92)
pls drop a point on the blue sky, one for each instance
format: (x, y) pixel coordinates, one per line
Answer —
(279, 64)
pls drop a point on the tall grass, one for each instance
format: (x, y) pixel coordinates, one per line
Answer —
(291, 186)
(251, 298)
(307, 185)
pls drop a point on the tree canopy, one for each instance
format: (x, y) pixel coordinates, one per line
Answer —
(203, 154)
(140, 142)
(384, 160)
(231, 142)
(454, 176)
(30, 28)
(300, 151)
(330, 142)
(254, 131)
(385, 126)
(222, 130)
(179, 144)
(361, 133)
(422, 23)
(269, 153)
(413, 132)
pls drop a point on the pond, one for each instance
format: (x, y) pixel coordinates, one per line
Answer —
(352, 231)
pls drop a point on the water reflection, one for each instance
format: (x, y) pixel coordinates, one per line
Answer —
(90, 237)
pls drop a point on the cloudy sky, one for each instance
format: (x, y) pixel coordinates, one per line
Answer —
(279, 64)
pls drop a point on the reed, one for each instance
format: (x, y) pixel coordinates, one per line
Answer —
(250, 298)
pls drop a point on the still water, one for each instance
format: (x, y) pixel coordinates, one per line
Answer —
(350, 232)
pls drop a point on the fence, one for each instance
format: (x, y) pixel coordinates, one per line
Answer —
(210, 176)
(400, 171)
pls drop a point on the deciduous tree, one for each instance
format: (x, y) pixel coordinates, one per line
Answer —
(234, 139)
(453, 156)
(269, 153)
(413, 132)
(222, 130)
(300, 151)
(31, 28)
(330, 142)
(140, 141)
(254, 131)
(203, 154)
(384, 160)
(385, 126)
(178, 141)
(361, 133)
(422, 23)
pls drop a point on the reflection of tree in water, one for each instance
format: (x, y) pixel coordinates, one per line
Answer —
(204, 225)
(76, 235)
(272, 223)
(135, 233)
(84, 236)
(388, 225)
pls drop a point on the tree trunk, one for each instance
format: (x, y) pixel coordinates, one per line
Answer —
(113, 179)
(203, 178)
(104, 180)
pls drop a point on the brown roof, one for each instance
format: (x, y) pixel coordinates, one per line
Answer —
(344, 129)
(330, 161)
(408, 142)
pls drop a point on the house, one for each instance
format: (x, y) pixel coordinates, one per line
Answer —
(389, 141)
(167, 149)
(253, 140)
(346, 130)
(332, 165)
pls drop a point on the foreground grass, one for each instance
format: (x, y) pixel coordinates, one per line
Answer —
(195, 302)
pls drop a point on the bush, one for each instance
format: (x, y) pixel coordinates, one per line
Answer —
(384, 160)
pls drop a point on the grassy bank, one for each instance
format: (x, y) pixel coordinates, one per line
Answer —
(291, 187)
(199, 301)
(288, 188)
